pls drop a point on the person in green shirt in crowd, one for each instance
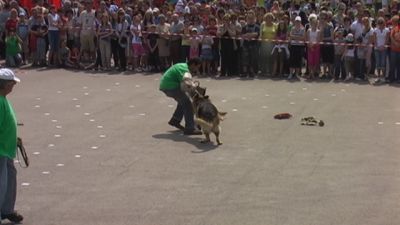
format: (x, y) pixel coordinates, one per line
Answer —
(8, 149)
(13, 49)
(173, 83)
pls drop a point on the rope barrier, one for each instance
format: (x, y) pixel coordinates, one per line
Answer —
(277, 41)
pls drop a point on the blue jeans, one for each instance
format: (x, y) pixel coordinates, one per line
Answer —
(394, 66)
(8, 185)
(54, 40)
(380, 59)
(183, 109)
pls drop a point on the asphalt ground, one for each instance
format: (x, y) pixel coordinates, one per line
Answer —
(101, 152)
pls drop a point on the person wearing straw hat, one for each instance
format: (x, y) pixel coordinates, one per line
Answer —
(8, 149)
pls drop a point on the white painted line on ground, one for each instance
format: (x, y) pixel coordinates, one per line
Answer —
(234, 110)
(131, 106)
(315, 99)
(25, 184)
(54, 121)
(86, 93)
(266, 95)
(380, 123)
(84, 87)
(46, 172)
(57, 135)
(108, 89)
(142, 114)
(92, 120)
(264, 107)
(304, 89)
(50, 145)
(397, 123)
(77, 106)
(223, 100)
(58, 127)
(100, 127)
(170, 106)
(60, 164)
(36, 153)
(292, 103)
(94, 147)
(38, 99)
(47, 114)
(86, 114)
(137, 85)
(244, 98)
(59, 92)
(37, 106)
(102, 136)
(117, 83)
(74, 99)
(77, 156)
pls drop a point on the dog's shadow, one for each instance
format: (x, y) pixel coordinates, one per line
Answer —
(195, 141)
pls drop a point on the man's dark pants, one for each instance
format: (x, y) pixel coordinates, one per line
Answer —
(183, 109)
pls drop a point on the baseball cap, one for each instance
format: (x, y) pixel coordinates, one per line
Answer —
(7, 74)
(298, 18)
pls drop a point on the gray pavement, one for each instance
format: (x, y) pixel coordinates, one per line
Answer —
(102, 153)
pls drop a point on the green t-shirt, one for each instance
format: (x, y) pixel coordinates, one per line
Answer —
(12, 46)
(8, 129)
(173, 77)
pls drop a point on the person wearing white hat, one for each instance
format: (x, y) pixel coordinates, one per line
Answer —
(8, 149)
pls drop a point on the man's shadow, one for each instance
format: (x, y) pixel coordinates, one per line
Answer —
(177, 136)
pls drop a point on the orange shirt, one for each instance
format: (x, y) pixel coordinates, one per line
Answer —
(395, 34)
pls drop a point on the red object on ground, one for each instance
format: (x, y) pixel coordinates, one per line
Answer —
(282, 116)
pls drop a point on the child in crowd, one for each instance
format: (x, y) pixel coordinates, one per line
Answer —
(381, 39)
(137, 45)
(152, 43)
(194, 44)
(23, 34)
(65, 56)
(313, 54)
(13, 49)
(206, 52)
(339, 69)
(348, 57)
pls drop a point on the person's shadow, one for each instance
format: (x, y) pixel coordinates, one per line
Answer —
(177, 136)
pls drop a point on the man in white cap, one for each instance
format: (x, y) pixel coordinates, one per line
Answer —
(8, 149)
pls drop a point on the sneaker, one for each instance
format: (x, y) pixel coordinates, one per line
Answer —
(176, 124)
(290, 76)
(13, 217)
(192, 132)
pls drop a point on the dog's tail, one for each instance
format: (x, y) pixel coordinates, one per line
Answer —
(221, 115)
(203, 123)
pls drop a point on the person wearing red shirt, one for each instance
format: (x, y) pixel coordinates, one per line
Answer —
(12, 22)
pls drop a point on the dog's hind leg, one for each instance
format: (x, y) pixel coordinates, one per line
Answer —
(207, 139)
(216, 132)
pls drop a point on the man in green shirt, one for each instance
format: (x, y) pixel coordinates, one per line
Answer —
(176, 79)
(8, 149)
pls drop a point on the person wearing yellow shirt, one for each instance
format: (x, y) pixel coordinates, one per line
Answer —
(267, 34)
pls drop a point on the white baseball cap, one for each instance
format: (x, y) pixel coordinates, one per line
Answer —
(7, 74)
(298, 18)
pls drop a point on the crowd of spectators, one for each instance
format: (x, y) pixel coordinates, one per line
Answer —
(327, 39)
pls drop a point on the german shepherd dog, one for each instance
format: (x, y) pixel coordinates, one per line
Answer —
(207, 116)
